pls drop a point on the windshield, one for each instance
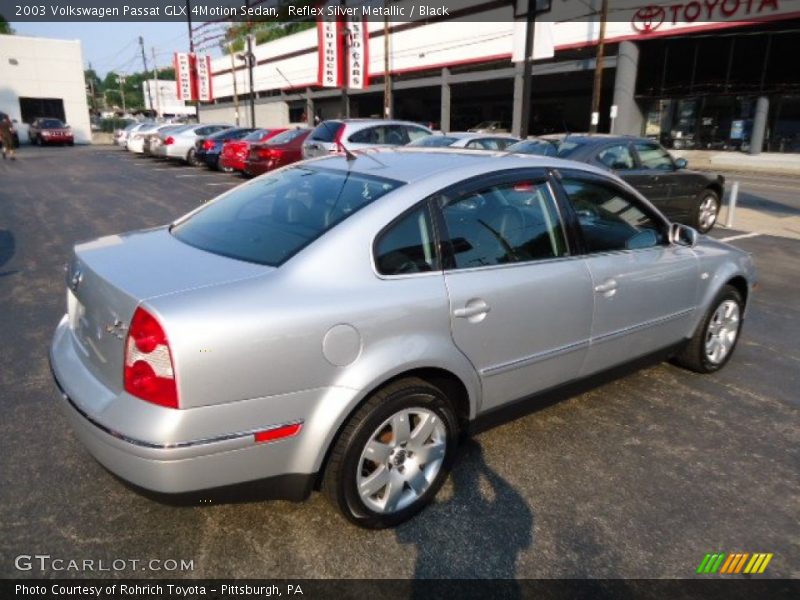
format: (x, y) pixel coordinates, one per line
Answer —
(543, 147)
(51, 123)
(270, 219)
(286, 136)
(434, 141)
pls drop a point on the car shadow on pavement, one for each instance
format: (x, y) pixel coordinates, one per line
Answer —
(478, 532)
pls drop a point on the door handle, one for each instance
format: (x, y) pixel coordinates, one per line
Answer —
(474, 310)
(607, 288)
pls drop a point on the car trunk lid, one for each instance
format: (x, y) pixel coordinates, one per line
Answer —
(109, 277)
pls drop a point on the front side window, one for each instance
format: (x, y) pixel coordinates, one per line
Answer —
(654, 156)
(609, 219)
(273, 217)
(407, 246)
(507, 223)
(617, 158)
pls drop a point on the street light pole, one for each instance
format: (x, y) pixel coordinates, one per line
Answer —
(191, 48)
(387, 78)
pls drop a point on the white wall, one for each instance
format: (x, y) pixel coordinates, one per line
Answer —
(45, 69)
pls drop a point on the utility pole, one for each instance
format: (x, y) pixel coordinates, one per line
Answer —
(158, 88)
(91, 89)
(598, 69)
(121, 80)
(147, 82)
(191, 48)
(387, 78)
(346, 64)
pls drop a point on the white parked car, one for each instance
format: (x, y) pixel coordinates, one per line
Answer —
(180, 144)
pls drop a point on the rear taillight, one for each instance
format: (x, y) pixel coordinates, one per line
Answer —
(337, 140)
(148, 362)
(169, 140)
(208, 145)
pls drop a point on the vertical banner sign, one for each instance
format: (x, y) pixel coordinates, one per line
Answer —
(330, 53)
(183, 76)
(357, 53)
(205, 93)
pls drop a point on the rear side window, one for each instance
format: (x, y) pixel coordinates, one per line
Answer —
(407, 246)
(255, 136)
(416, 133)
(272, 218)
(509, 223)
(618, 158)
(326, 131)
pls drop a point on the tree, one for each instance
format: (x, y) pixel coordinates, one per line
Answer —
(5, 27)
(265, 31)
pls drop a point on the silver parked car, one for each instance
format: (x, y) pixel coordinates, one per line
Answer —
(337, 323)
(330, 137)
(180, 145)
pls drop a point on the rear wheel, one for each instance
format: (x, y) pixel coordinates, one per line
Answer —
(713, 343)
(706, 211)
(191, 158)
(393, 455)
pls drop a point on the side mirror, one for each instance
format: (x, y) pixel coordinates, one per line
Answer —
(683, 235)
(681, 163)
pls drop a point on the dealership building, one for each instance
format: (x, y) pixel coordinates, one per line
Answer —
(690, 73)
(42, 77)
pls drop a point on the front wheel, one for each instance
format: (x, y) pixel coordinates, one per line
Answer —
(706, 211)
(713, 343)
(393, 455)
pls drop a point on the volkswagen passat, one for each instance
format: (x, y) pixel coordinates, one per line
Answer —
(337, 323)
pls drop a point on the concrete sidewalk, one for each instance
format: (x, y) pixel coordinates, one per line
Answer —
(740, 162)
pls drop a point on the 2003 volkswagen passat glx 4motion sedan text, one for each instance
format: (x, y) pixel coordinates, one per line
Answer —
(337, 323)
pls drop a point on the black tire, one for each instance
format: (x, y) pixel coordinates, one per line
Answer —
(694, 356)
(339, 481)
(70, 143)
(700, 220)
(191, 158)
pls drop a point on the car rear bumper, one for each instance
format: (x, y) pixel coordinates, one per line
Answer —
(188, 461)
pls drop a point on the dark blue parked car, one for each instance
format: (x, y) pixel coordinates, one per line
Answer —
(208, 149)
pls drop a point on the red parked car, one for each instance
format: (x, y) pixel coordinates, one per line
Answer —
(235, 152)
(282, 150)
(50, 131)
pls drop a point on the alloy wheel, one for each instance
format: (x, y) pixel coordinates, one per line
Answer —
(707, 213)
(722, 331)
(401, 460)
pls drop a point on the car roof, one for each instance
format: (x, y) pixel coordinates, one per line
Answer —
(415, 164)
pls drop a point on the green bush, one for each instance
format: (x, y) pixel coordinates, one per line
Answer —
(111, 125)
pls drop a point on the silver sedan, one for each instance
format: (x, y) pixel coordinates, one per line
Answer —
(337, 323)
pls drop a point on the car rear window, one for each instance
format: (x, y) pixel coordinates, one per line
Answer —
(286, 137)
(433, 141)
(270, 219)
(256, 135)
(326, 131)
(559, 148)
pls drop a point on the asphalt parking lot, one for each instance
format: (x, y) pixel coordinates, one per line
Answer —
(638, 478)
